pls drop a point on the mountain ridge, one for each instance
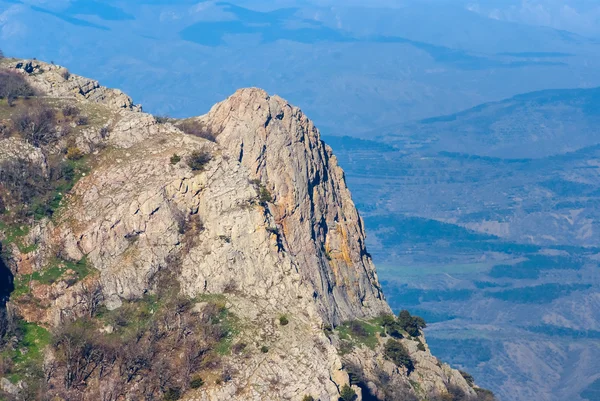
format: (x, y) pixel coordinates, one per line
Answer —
(244, 228)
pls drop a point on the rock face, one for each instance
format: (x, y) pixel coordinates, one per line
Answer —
(320, 226)
(268, 221)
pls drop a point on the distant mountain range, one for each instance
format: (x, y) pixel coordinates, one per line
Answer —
(486, 222)
(353, 67)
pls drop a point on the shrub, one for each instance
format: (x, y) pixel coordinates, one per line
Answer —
(175, 159)
(397, 353)
(197, 128)
(74, 153)
(347, 394)
(13, 85)
(357, 329)
(162, 119)
(308, 398)
(197, 160)
(283, 320)
(264, 195)
(1, 54)
(196, 382)
(172, 394)
(421, 346)
(264, 349)
(37, 124)
(484, 395)
(470, 380)
(82, 120)
(238, 348)
(104, 131)
(66, 74)
(70, 111)
(411, 324)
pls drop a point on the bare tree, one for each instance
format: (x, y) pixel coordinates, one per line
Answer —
(91, 297)
(37, 123)
(77, 353)
(13, 85)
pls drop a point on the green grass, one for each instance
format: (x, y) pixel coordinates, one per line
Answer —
(358, 332)
(51, 274)
(14, 235)
(28, 354)
(231, 324)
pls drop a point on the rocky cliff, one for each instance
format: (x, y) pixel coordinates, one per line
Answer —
(250, 208)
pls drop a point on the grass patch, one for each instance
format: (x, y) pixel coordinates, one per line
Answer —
(28, 354)
(51, 274)
(14, 235)
(358, 332)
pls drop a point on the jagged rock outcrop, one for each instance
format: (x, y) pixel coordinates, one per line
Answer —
(57, 81)
(268, 221)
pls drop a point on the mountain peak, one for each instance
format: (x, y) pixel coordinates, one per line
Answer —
(235, 252)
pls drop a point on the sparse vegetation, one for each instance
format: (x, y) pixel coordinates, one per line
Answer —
(470, 380)
(196, 382)
(358, 332)
(82, 120)
(283, 320)
(74, 153)
(264, 195)
(197, 128)
(397, 353)
(14, 85)
(308, 398)
(175, 159)
(37, 123)
(348, 394)
(70, 111)
(198, 160)
(264, 349)
(411, 324)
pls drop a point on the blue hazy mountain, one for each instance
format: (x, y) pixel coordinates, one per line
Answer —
(351, 66)
(485, 222)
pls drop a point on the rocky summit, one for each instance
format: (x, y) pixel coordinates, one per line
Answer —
(212, 258)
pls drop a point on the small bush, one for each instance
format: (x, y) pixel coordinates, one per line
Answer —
(470, 380)
(175, 159)
(197, 160)
(347, 394)
(104, 131)
(196, 128)
(172, 394)
(196, 382)
(1, 54)
(283, 320)
(238, 348)
(397, 353)
(484, 395)
(308, 398)
(357, 329)
(264, 195)
(411, 324)
(70, 111)
(74, 153)
(162, 119)
(264, 349)
(82, 120)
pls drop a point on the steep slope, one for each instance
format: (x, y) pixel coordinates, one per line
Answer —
(239, 261)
